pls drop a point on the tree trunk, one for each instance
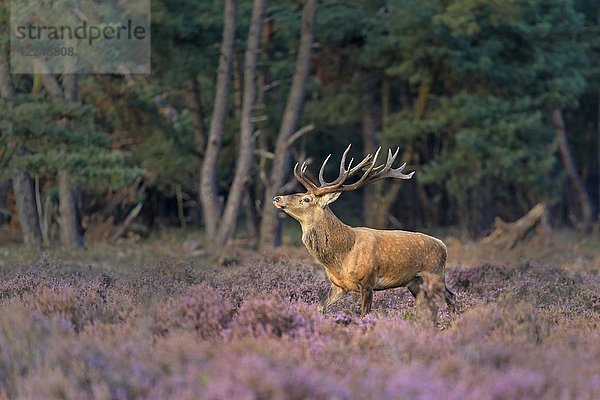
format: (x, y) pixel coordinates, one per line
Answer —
(243, 168)
(211, 207)
(377, 198)
(250, 219)
(488, 203)
(7, 89)
(197, 113)
(261, 104)
(48, 79)
(70, 87)
(370, 143)
(6, 92)
(43, 211)
(270, 229)
(4, 188)
(380, 197)
(180, 207)
(22, 183)
(569, 163)
(69, 232)
(237, 87)
(28, 216)
(70, 228)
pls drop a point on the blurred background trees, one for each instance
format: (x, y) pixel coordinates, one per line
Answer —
(496, 105)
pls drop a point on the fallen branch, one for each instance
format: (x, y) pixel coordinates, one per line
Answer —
(125, 225)
(508, 234)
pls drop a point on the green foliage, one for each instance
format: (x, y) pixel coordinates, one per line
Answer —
(188, 32)
(162, 147)
(491, 137)
(340, 24)
(334, 109)
(57, 136)
(493, 69)
(517, 47)
(168, 158)
(470, 87)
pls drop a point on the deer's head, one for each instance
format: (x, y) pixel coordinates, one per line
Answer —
(307, 206)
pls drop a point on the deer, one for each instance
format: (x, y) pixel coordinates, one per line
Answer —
(360, 259)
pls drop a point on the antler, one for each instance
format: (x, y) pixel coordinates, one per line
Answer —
(303, 179)
(370, 173)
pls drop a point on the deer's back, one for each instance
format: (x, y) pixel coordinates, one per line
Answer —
(398, 256)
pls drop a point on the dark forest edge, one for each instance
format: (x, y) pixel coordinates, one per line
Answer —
(495, 106)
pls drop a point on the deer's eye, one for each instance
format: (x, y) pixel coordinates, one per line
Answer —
(306, 199)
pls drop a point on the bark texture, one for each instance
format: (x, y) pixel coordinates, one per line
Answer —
(70, 235)
(28, 215)
(243, 167)
(70, 228)
(211, 206)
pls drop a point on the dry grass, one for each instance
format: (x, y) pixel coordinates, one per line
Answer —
(565, 248)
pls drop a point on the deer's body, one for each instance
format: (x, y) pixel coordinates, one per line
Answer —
(381, 259)
(361, 259)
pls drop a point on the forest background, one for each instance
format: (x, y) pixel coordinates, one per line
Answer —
(495, 105)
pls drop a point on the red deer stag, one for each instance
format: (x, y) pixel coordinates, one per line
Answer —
(362, 260)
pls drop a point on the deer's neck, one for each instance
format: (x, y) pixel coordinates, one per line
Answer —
(328, 239)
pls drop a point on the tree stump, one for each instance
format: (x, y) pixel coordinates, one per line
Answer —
(508, 234)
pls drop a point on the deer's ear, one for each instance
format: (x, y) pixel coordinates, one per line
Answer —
(329, 198)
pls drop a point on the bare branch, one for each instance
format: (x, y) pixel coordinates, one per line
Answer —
(298, 134)
(264, 154)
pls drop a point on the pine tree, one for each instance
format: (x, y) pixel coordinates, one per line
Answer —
(47, 146)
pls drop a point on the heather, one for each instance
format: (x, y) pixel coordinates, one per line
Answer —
(191, 329)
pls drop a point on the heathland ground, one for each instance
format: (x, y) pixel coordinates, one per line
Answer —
(159, 320)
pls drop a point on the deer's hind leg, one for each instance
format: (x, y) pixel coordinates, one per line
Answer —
(426, 288)
(450, 299)
(414, 286)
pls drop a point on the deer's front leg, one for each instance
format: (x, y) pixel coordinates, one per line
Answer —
(335, 293)
(366, 300)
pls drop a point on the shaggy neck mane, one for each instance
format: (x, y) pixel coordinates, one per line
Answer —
(328, 238)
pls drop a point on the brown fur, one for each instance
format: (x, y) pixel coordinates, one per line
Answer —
(362, 260)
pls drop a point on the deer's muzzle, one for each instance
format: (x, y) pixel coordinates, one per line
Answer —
(277, 202)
